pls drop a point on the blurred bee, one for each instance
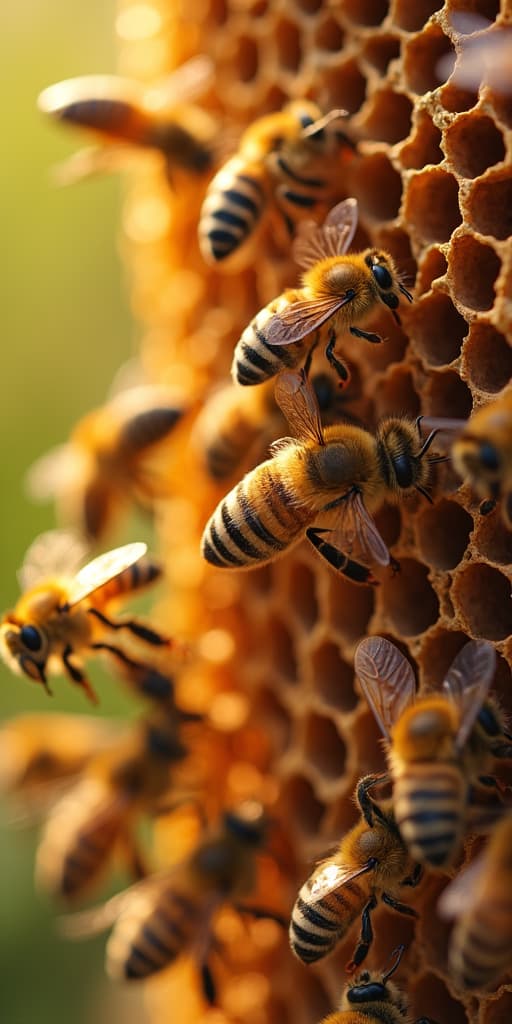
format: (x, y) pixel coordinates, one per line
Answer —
(108, 460)
(338, 291)
(480, 900)
(98, 816)
(172, 913)
(372, 998)
(371, 863)
(62, 613)
(482, 454)
(343, 468)
(439, 745)
(291, 159)
(236, 424)
(126, 114)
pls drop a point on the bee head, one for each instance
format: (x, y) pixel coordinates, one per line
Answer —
(400, 446)
(480, 460)
(24, 647)
(247, 823)
(385, 278)
(373, 987)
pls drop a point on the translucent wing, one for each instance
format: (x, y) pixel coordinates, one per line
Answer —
(298, 402)
(318, 126)
(136, 897)
(301, 318)
(183, 85)
(54, 553)
(317, 242)
(60, 469)
(457, 897)
(76, 97)
(92, 160)
(467, 683)
(103, 569)
(356, 534)
(387, 680)
(331, 876)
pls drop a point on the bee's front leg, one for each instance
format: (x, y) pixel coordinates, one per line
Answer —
(150, 636)
(337, 365)
(76, 674)
(365, 938)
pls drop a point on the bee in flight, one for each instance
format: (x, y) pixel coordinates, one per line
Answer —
(173, 912)
(371, 997)
(126, 115)
(339, 290)
(342, 468)
(98, 816)
(480, 900)
(439, 746)
(289, 161)
(62, 614)
(371, 863)
(114, 456)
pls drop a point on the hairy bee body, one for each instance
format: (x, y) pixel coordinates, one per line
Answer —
(371, 998)
(256, 360)
(482, 454)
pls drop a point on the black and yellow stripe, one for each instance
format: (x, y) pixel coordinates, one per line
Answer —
(140, 574)
(481, 945)
(317, 926)
(255, 360)
(233, 206)
(430, 808)
(139, 947)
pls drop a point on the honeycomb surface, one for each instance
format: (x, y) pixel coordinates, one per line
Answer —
(433, 179)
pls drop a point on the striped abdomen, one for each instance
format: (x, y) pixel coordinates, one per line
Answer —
(108, 115)
(255, 360)
(430, 807)
(140, 574)
(256, 521)
(481, 944)
(316, 926)
(234, 203)
(153, 934)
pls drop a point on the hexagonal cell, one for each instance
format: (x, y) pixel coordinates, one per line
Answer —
(447, 395)
(443, 533)
(430, 998)
(425, 145)
(486, 8)
(408, 599)
(366, 12)
(413, 16)
(487, 357)
(381, 50)
(500, 1010)
(261, 581)
(282, 649)
(367, 737)
(309, 6)
(333, 679)
(473, 143)
(246, 59)
(437, 654)
(481, 595)
(455, 99)
(301, 804)
(289, 45)
(502, 105)
(492, 538)
(274, 717)
(377, 186)
(432, 205)
(490, 204)
(339, 818)
(392, 349)
(345, 86)
(474, 268)
(329, 35)
(389, 116)
(302, 594)
(349, 607)
(324, 747)
(389, 523)
(396, 394)
(437, 329)
(421, 58)
(433, 265)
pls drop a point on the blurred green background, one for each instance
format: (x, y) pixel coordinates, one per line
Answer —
(66, 329)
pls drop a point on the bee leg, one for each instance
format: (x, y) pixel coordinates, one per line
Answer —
(262, 913)
(336, 364)
(143, 632)
(365, 939)
(401, 908)
(369, 808)
(134, 859)
(76, 674)
(340, 562)
(208, 984)
(414, 879)
(367, 335)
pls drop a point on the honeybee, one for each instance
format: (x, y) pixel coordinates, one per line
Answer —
(342, 467)
(439, 745)
(62, 612)
(124, 113)
(108, 460)
(99, 814)
(371, 997)
(482, 454)
(172, 913)
(371, 863)
(290, 159)
(338, 291)
(480, 900)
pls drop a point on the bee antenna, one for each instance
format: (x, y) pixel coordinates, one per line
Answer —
(404, 291)
(435, 459)
(425, 493)
(426, 444)
(318, 126)
(398, 952)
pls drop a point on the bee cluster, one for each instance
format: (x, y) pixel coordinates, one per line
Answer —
(397, 164)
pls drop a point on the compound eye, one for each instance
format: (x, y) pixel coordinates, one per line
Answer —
(31, 638)
(368, 993)
(489, 457)
(306, 120)
(382, 276)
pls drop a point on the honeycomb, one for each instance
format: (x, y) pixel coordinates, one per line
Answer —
(434, 188)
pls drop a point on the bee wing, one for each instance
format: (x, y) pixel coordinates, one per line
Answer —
(297, 400)
(103, 569)
(332, 876)
(301, 318)
(387, 680)
(62, 467)
(97, 919)
(467, 683)
(356, 533)
(89, 89)
(54, 553)
(332, 238)
(457, 897)
(90, 161)
(182, 85)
